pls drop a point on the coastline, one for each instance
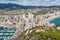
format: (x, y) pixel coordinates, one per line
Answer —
(51, 18)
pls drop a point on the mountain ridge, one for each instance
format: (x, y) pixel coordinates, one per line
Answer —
(16, 6)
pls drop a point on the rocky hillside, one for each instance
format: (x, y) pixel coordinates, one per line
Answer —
(40, 33)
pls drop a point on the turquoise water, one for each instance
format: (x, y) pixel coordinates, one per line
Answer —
(55, 21)
(6, 32)
(2, 39)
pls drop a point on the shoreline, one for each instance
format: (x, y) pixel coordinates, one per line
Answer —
(52, 18)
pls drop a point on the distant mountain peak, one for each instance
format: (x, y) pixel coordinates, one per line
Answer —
(16, 6)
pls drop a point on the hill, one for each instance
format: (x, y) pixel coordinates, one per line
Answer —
(40, 33)
(16, 6)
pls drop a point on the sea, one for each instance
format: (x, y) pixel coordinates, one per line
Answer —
(55, 21)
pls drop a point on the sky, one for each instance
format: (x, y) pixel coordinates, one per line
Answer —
(33, 2)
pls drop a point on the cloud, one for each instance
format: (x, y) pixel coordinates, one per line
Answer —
(33, 2)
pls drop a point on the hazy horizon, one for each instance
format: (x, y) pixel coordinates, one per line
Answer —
(33, 2)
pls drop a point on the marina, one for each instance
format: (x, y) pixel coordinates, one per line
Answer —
(6, 32)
